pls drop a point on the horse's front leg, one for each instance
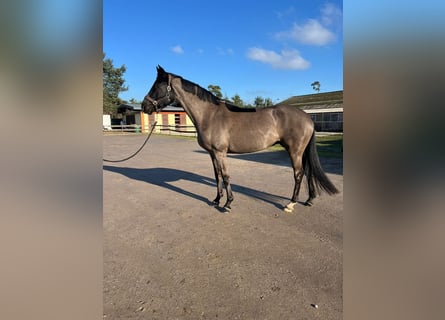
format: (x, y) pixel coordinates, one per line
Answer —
(226, 179)
(218, 178)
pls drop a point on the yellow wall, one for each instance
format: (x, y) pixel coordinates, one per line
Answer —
(158, 119)
(188, 121)
(143, 120)
(171, 119)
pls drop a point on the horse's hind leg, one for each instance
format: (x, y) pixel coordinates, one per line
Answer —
(311, 186)
(297, 165)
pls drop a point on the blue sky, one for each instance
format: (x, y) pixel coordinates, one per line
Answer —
(273, 49)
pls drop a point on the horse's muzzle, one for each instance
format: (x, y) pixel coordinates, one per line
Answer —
(147, 107)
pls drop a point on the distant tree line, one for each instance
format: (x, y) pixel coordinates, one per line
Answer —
(259, 101)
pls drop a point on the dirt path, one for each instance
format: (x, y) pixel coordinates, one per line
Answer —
(169, 255)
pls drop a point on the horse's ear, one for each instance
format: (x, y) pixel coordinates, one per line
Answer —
(160, 69)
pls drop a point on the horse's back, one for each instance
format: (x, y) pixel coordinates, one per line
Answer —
(292, 117)
(287, 110)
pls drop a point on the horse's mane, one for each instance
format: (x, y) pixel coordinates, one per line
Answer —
(200, 92)
(206, 95)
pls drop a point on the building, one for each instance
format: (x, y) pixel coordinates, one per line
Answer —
(170, 120)
(325, 109)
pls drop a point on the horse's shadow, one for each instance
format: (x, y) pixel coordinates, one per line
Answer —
(163, 177)
(281, 158)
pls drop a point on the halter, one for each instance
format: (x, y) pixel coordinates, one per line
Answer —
(167, 97)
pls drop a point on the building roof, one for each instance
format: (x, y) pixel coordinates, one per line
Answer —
(129, 108)
(173, 109)
(317, 102)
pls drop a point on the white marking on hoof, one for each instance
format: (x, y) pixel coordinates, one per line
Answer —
(227, 209)
(290, 207)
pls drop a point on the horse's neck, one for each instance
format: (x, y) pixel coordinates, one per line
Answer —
(197, 109)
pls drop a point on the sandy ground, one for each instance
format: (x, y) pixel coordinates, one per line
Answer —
(169, 255)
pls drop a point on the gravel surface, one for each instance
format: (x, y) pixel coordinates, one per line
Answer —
(169, 255)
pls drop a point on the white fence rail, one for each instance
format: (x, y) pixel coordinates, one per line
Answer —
(159, 128)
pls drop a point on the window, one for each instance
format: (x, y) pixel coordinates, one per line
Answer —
(177, 121)
(327, 116)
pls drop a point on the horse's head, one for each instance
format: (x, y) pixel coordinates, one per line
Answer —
(160, 94)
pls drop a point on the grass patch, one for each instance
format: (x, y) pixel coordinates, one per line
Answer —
(330, 146)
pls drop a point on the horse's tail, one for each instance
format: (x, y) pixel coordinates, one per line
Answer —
(316, 177)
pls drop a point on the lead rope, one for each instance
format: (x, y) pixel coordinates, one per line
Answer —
(145, 142)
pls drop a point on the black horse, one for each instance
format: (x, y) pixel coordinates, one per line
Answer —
(224, 128)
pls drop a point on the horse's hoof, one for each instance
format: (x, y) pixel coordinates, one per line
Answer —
(227, 209)
(308, 204)
(290, 207)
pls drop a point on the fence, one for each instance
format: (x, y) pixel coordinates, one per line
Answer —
(159, 128)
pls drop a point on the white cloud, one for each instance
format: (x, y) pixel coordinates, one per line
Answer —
(331, 14)
(312, 33)
(315, 31)
(287, 59)
(177, 49)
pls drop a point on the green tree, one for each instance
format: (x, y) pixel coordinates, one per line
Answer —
(216, 90)
(316, 86)
(268, 102)
(113, 84)
(258, 102)
(237, 101)
(133, 100)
